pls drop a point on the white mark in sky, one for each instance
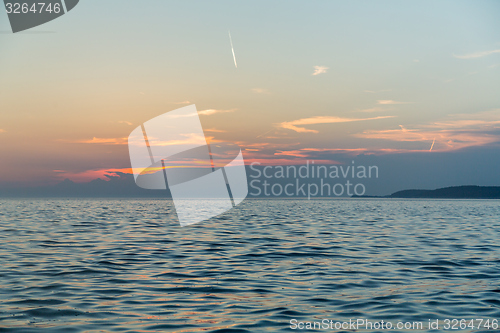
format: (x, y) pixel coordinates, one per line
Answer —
(232, 48)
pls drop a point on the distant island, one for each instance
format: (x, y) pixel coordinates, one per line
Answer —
(454, 192)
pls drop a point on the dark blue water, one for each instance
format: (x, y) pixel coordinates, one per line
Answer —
(127, 266)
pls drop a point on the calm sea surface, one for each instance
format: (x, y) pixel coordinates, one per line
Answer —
(127, 266)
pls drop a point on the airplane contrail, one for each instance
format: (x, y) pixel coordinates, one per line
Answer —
(264, 133)
(432, 144)
(232, 48)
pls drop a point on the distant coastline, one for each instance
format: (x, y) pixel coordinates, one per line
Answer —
(454, 192)
(123, 186)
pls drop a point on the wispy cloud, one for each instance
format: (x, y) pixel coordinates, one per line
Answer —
(191, 138)
(207, 112)
(210, 112)
(2, 130)
(391, 102)
(455, 132)
(476, 54)
(260, 91)
(125, 122)
(375, 109)
(295, 125)
(319, 70)
(88, 175)
(108, 141)
(480, 121)
(315, 153)
(444, 139)
(214, 130)
(185, 102)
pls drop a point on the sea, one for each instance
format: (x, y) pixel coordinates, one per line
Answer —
(126, 265)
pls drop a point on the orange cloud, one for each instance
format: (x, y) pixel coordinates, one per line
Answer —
(446, 139)
(191, 139)
(109, 141)
(391, 102)
(213, 111)
(266, 145)
(457, 132)
(214, 130)
(287, 161)
(309, 152)
(294, 125)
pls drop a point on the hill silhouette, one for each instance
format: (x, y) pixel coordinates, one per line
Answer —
(454, 192)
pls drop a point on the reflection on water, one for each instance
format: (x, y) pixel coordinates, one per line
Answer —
(127, 265)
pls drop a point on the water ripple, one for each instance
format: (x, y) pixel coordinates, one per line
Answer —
(127, 266)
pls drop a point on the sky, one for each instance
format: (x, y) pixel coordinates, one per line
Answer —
(412, 86)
